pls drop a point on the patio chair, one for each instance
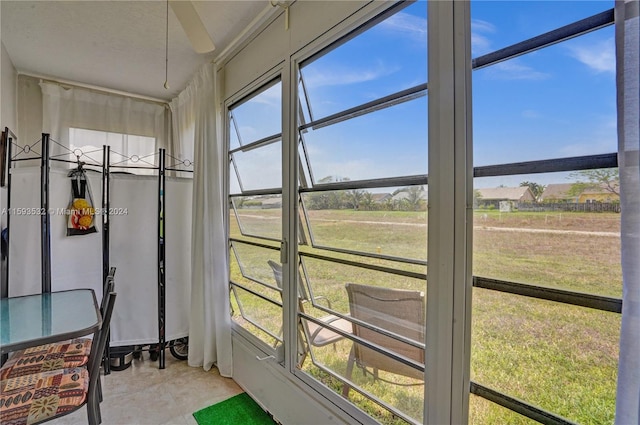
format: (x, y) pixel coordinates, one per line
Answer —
(58, 355)
(44, 396)
(317, 335)
(398, 311)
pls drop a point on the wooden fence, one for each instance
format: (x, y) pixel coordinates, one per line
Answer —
(571, 207)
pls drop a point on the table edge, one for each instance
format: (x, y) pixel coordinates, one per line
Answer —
(9, 348)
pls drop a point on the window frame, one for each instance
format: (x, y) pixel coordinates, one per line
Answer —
(577, 163)
(440, 409)
(264, 82)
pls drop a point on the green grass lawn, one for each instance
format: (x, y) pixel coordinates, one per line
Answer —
(561, 358)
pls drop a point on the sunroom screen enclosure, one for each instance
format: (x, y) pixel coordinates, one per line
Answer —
(361, 194)
(362, 201)
(547, 274)
(334, 188)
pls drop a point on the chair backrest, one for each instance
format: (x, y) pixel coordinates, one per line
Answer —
(277, 273)
(399, 311)
(109, 285)
(112, 272)
(100, 341)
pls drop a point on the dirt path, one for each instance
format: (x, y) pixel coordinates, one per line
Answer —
(489, 228)
(552, 231)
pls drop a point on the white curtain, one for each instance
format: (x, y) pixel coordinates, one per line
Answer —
(196, 121)
(64, 108)
(628, 93)
(177, 233)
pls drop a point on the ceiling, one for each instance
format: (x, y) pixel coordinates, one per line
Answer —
(118, 45)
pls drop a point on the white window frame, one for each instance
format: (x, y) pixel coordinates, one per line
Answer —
(448, 323)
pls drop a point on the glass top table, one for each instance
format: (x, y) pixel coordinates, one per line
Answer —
(33, 320)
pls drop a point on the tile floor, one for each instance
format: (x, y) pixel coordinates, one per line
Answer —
(146, 395)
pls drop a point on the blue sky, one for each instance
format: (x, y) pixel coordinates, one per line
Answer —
(553, 103)
(556, 102)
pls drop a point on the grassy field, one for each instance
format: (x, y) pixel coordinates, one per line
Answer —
(561, 358)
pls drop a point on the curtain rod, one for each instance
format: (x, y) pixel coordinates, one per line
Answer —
(96, 89)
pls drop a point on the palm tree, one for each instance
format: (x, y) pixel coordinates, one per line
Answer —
(354, 197)
(367, 201)
(414, 199)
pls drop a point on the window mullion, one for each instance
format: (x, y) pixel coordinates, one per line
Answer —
(289, 247)
(450, 179)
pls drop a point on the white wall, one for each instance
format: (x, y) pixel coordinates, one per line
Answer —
(308, 20)
(7, 109)
(287, 402)
(7, 91)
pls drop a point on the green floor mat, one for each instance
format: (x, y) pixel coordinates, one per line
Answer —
(238, 410)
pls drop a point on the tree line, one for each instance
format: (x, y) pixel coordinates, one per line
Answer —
(412, 199)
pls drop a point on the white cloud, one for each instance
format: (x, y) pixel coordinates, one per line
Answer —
(478, 25)
(411, 25)
(598, 56)
(247, 132)
(341, 76)
(514, 70)
(480, 43)
(272, 96)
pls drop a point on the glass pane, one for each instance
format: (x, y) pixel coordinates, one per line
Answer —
(234, 140)
(304, 174)
(260, 168)
(260, 116)
(554, 103)
(256, 298)
(389, 221)
(568, 245)
(386, 59)
(126, 149)
(260, 215)
(559, 357)
(495, 25)
(386, 143)
(234, 185)
(254, 262)
(390, 302)
(327, 282)
(485, 412)
(372, 226)
(257, 315)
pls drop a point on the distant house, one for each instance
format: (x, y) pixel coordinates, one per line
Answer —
(561, 192)
(403, 194)
(515, 194)
(558, 192)
(380, 198)
(503, 197)
(272, 202)
(598, 194)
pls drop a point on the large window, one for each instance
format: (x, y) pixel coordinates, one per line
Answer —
(546, 260)
(255, 209)
(334, 216)
(362, 143)
(127, 150)
(361, 194)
